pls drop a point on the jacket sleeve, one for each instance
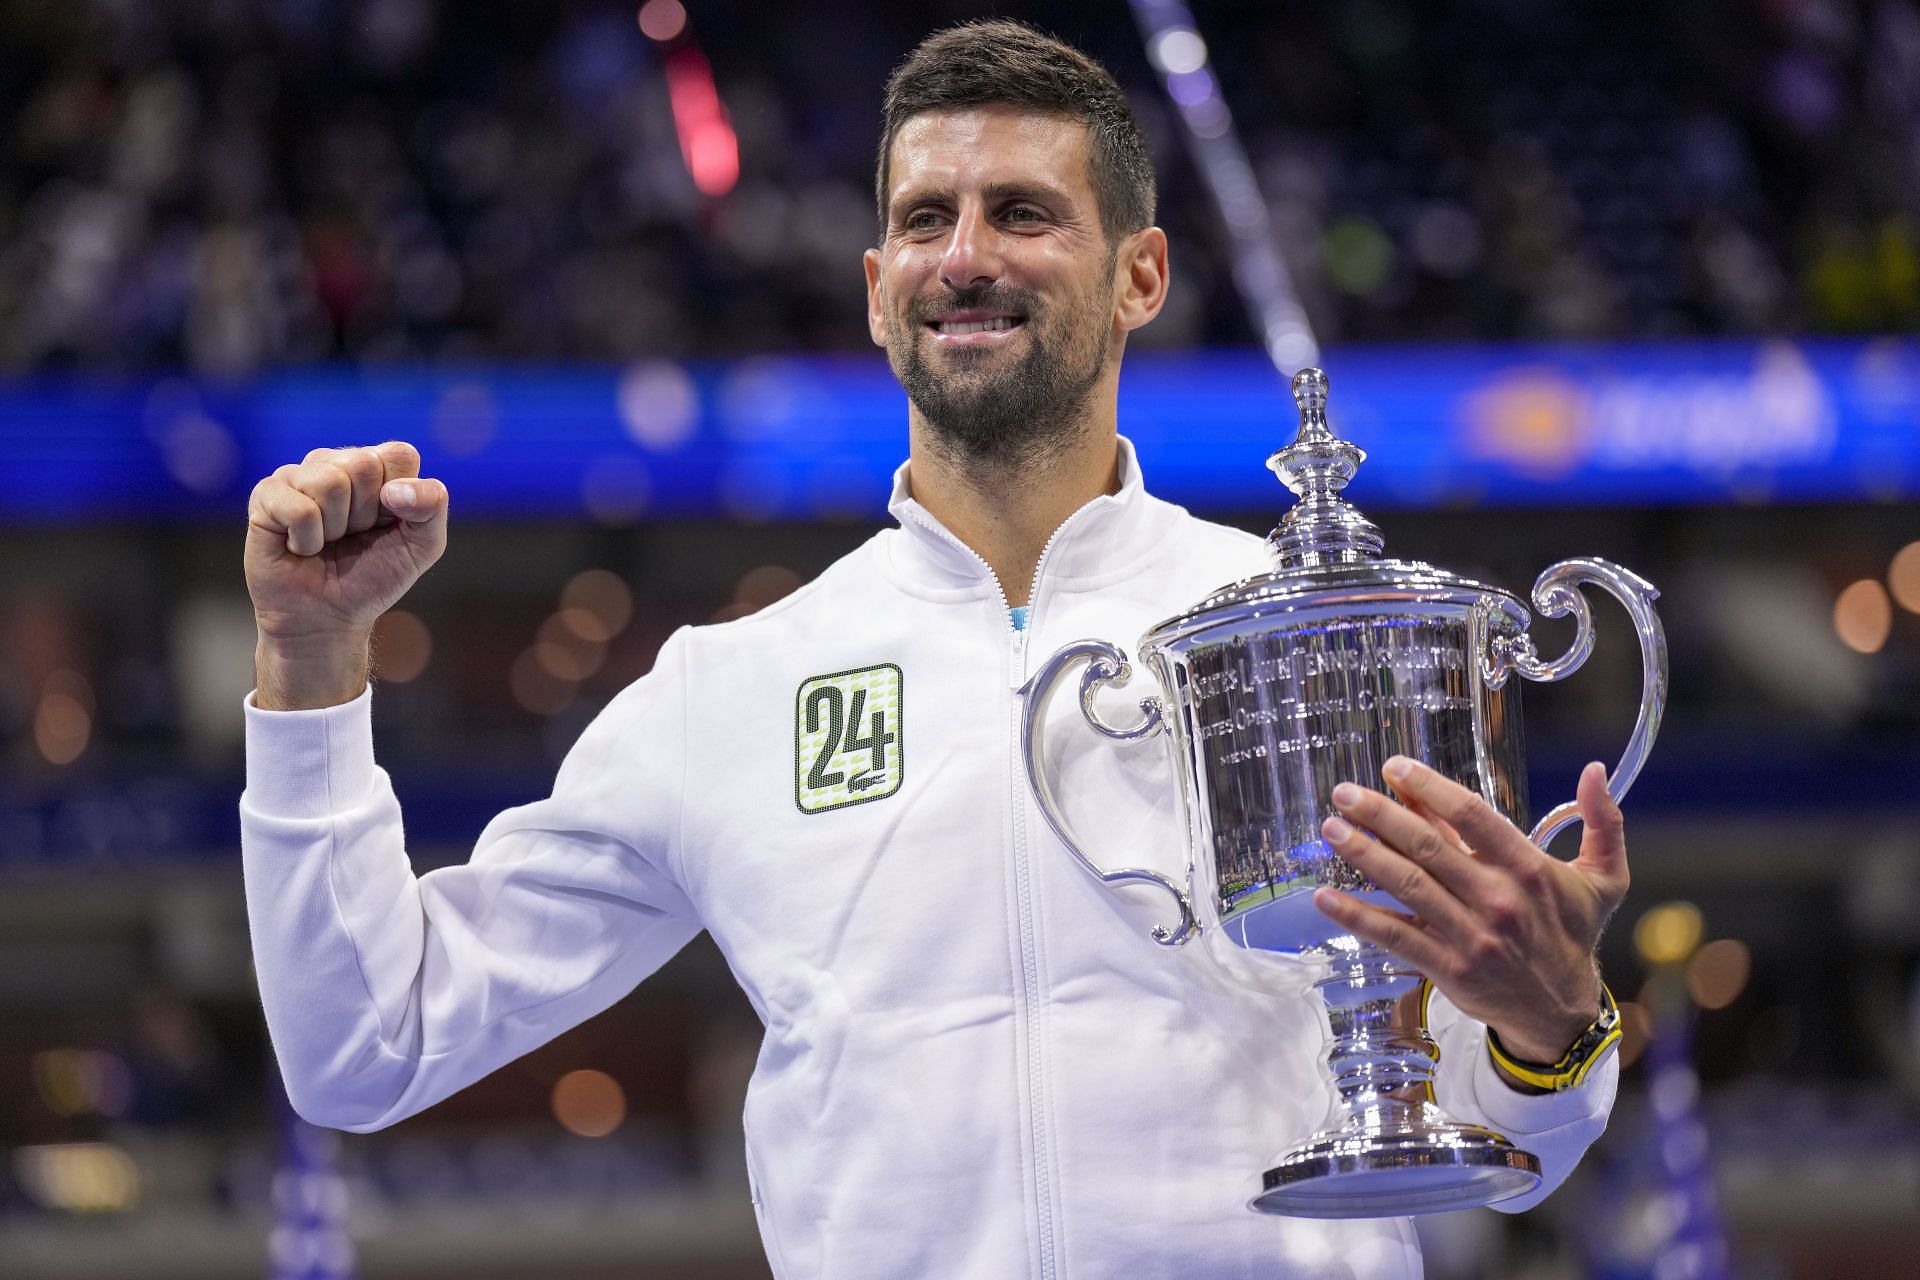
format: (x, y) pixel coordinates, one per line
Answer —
(386, 992)
(1557, 1127)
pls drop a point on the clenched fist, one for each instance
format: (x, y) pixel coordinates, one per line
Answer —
(332, 543)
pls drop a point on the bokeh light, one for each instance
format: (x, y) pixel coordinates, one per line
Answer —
(402, 646)
(584, 624)
(1178, 51)
(662, 20)
(1668, 933)
(616, 490)
(1903, 577)
(78, 1177)
(78, 1082)
(1636, 1028)
(566, 653)
(589, 1103)
(1863, 617)
(760, 587)
(63, 717)
(535, 686)
(1718, 973)
(659, 404)
(466, 418)
(603, 594)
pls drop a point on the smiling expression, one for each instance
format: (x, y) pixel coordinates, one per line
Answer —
(993, 289)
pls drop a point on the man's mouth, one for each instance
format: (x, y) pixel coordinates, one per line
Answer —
(974, 328)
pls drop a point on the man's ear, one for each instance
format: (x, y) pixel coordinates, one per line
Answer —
(876, 311)
(1140, 278)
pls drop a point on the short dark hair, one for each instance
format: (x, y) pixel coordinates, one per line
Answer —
(999, 62)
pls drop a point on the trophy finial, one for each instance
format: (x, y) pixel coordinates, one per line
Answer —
(1323, 527)
(1310, 393)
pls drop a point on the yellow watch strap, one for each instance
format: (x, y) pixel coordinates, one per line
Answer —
(1571, 1071)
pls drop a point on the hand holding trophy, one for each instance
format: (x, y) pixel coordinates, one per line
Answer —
(1280, 688)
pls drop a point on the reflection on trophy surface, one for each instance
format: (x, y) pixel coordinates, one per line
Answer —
(1275, 689)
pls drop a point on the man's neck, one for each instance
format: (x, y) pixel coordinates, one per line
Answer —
(1006, 512)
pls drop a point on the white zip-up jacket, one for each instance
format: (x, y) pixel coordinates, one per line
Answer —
(976, 1063)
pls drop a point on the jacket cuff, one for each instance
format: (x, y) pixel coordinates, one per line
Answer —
(310, 764)
(1512, 1111)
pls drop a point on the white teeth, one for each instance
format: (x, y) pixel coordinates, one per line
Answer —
(977, 326)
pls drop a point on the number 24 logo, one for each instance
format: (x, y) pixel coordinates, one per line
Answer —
(847, 738)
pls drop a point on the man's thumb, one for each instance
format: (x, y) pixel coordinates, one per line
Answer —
(415, 501)
(1603, 845)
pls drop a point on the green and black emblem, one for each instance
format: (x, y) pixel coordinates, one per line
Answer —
(847, 739)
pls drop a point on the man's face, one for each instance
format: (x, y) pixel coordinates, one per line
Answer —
(993, 286)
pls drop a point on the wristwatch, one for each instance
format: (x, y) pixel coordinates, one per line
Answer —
(1600, 1038)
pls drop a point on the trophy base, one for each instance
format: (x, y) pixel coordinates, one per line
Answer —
(1358, 1175)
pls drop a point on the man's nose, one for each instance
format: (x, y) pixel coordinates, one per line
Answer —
(973, 254)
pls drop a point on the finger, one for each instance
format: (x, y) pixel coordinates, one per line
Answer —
(1405, 878)
(401, 460)
(330, 488)
(1398, 933)
(278, 509)
(1412, 836)
(1440, 824)
(1481, 827)
(1603, 841)
(367, 471)
(421, 506)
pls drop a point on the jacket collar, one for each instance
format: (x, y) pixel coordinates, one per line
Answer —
(1106, 537)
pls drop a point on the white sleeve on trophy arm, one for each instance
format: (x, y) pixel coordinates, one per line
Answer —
(385, 992)
(1557, 1127)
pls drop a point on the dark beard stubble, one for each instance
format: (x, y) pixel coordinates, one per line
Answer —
(1022, 415)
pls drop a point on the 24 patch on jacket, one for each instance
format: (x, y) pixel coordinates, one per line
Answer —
(847, 738)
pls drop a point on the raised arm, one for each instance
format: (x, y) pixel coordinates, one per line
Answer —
(385, 992)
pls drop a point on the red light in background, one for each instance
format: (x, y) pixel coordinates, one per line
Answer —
(707, 141)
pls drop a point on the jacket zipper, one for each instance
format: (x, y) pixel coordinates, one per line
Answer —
(1042, 1148)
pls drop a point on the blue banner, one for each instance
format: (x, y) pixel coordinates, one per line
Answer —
(803, 438)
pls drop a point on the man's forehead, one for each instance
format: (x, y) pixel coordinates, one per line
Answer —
(981, 146)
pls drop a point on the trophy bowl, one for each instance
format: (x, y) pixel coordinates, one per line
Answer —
(1271, 691)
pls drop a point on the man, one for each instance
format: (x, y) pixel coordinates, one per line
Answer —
(974, 1064)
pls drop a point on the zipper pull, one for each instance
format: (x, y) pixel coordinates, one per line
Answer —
(1019, 658)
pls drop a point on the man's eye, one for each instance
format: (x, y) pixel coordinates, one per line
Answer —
(922, 220)
(1023, 213)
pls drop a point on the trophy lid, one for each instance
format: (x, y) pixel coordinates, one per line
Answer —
(1323, 528)
(1325, 550)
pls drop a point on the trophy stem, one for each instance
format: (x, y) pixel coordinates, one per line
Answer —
(1380, 1056)
(1388, 1148)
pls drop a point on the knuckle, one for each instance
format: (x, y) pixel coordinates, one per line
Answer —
(1473, 810)
(1484, 950)
(1409, 884)
(1426, 845)
(1501, 912)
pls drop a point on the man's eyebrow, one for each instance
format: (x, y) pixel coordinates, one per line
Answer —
(993, 193)
(1038, 192)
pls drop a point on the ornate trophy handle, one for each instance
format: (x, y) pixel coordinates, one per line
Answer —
(1555, 594)
(1107, 664)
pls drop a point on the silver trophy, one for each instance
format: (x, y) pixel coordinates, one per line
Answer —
(1278, 687)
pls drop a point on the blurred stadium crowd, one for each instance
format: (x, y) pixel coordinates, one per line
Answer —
(235, 184)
